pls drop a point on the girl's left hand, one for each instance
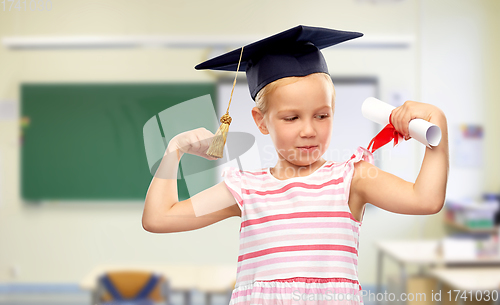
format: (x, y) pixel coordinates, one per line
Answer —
(402, 115)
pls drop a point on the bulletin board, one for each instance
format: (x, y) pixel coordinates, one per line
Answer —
(85, 141)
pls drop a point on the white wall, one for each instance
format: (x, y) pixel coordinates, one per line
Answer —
(451, 64)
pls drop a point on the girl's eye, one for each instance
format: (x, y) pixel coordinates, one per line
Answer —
(323, 116)
(290, 119)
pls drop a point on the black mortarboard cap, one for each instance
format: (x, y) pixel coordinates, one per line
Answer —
(294, 52)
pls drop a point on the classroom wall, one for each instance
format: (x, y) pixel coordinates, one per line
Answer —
(452, 63)
(492, 97)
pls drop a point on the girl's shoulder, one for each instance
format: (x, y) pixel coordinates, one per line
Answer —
(238, 174)
(361, 153)
(231, 170)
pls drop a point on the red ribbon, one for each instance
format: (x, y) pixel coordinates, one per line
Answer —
(385, 136)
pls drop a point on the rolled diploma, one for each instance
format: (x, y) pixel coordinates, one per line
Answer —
(421, 130)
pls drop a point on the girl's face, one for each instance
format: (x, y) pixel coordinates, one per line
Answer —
(300, 115)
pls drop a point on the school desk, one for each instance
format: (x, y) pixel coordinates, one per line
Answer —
(423, 253)
(473, 279)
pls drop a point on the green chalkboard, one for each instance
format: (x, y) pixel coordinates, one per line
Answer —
(85, 141)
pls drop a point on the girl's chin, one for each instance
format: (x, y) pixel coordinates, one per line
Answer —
(303, 160)
(298, 157)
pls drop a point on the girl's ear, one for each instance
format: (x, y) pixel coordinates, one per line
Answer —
(259, 120)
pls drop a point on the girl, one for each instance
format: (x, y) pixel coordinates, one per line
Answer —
(299, 234)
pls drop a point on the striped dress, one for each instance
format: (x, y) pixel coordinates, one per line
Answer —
(298, 239)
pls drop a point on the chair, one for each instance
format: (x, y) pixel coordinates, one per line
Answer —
(132, 287)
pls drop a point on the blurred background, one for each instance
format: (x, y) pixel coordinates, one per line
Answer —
(75, 77)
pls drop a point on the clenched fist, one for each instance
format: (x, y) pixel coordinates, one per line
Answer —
(194, 142)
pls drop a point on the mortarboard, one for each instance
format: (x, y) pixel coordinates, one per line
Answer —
(294, 52)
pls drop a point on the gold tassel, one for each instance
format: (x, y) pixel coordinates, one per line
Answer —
(216, 148)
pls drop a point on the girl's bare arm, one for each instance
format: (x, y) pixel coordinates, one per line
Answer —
(163, 213)
(391, 193)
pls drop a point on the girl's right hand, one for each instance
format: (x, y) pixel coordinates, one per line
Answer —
(194, 142)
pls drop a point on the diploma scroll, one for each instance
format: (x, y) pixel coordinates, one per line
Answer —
(419, 129)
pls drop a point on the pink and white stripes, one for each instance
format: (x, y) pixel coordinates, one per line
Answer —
(297, 236)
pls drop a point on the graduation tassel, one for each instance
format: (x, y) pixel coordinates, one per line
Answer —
(216, 148)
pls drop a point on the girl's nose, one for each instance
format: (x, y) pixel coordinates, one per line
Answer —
(307, 130)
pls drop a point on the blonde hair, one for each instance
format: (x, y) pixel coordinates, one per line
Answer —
(261, 100)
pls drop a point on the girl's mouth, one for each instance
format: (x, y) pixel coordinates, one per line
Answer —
(307, 148)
